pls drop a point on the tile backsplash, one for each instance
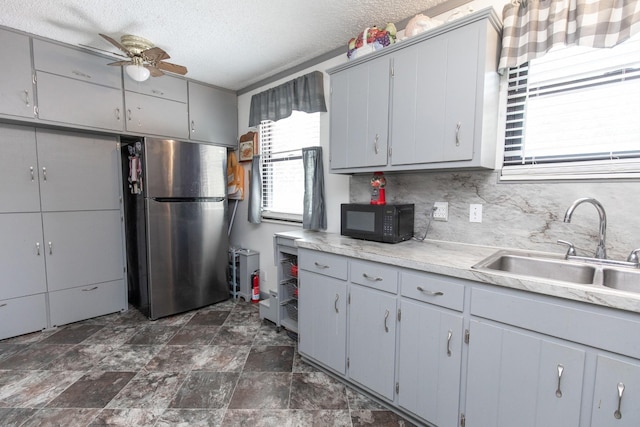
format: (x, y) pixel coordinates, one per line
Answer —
(515, 215)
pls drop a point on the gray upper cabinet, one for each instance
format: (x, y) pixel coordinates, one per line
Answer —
(166, 87)
(213, 115)
(19, 170)
(150, 115)
(77, 88)
(16, 85)
(436, 108)
(359, 115)
(77, 171)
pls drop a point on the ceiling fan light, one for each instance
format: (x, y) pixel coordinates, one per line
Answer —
(137, 72)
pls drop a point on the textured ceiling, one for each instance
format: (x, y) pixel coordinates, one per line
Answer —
(231, 44)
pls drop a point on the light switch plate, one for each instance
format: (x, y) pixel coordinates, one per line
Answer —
(441, 211)
(475, 213)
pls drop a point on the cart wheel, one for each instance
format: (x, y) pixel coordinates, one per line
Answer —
(278, 329)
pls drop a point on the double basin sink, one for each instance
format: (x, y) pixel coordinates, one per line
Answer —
(592, 272)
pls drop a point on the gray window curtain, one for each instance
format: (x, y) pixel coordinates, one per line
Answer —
(314, 215)
(255, 191)
(532, 27)
(305, 93)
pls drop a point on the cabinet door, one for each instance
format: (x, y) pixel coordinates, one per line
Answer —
(430, 362)
(614, 376)
(23, 315)
(77, 171)
(21, 255)
(16, 84)
(18, 170)
(76, 102)
(463, 46)
(360, 115)
(166, 87)
(322, 319)
(82, 248)
(150, 115)
(419, 96)
(521, 379)
(372, 339)
(213, 115)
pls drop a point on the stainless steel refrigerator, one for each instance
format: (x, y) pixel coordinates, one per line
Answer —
(176, 224)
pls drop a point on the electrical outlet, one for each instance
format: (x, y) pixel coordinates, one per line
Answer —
(475, 213)
(441, 211)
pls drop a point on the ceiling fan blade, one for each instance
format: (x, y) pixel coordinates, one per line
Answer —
(154, 54)
(153, 70)
(172, 68)
(120, 63)
(116, 44)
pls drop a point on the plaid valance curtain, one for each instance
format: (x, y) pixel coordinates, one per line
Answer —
(532, 27)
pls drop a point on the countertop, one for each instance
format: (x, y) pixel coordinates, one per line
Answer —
(455, 260)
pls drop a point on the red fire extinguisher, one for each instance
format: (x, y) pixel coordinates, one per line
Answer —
(255, 283)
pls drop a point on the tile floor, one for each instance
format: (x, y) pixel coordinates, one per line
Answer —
(217, 366)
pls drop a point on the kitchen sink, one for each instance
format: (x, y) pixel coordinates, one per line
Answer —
(586, 271)
(621, 279)
(525, 264)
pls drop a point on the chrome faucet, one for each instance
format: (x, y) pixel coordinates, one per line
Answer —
(601, 250)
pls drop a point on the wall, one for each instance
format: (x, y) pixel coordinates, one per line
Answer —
(259, 237)
(520, 215)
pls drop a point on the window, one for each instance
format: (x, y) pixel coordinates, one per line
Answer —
(574, 113)
(281, 146)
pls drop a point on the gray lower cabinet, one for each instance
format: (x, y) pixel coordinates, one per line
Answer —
(430, 362)
(213, 115)
(617, 392)
(520, 378)
(16, 85)
(62, 254)
(322, 319)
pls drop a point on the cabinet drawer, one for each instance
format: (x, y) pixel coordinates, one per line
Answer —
(84, 302)
(167, 87)
(432, 289)
(323, 263)
(22, 315)
(569, 320)
(375, 276)
(74, 63)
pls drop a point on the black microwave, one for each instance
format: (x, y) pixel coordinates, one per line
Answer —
(380, 223)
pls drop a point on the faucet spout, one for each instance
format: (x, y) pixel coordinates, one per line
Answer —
(601, 250)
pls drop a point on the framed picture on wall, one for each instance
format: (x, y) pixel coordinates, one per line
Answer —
(247, 146)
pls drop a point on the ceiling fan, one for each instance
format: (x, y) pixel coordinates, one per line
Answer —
(145, 58)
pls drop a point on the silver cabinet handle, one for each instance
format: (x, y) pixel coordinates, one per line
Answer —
(157, 92)
(335, 303)
(558, 389)
(449, 335)
(320, 265)
(372, 278)
(3, 305)
(117, 112)
(432, 293)
(50, 248)
(27, 99)
(90, 289)
(44, 173)
(31, 170)
(386, 316)
(129, 114)
(375, 144)
(617, 414)
(81, 74)
(458, 126)
(193, 126)
(38, 248)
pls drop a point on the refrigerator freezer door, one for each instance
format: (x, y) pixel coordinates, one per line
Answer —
(176, 169)
(188, 252)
